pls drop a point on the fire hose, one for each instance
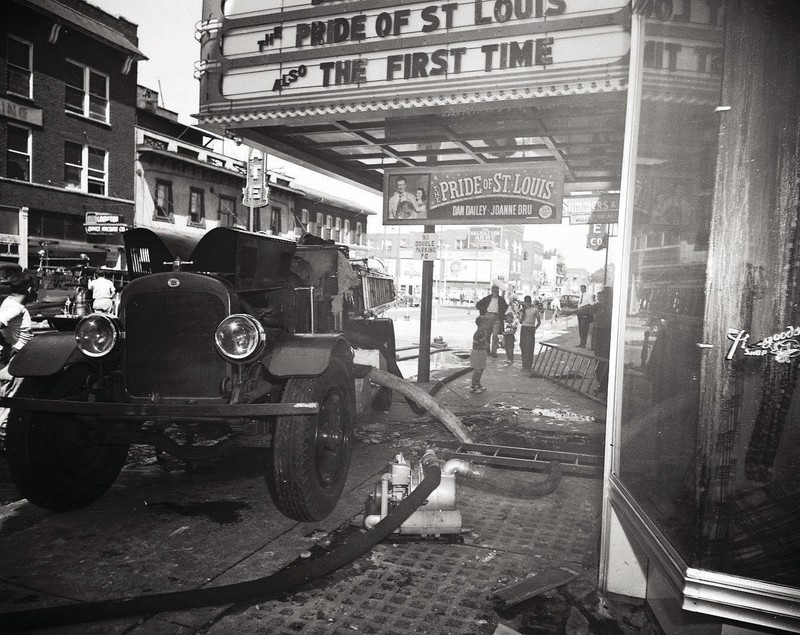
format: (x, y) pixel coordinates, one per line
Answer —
(422, 398)
(260, 588)
(394, 369)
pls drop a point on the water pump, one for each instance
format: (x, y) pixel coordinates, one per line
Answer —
(437, 515)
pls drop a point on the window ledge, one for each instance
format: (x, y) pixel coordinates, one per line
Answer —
(722, 595)
(105, 124)
(161, 219)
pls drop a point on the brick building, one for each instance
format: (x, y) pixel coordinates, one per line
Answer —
(67, 112)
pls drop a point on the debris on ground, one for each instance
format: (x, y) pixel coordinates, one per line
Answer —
(532, 586)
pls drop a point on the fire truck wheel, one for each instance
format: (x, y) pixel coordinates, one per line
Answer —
(55, 460)
(311, 454)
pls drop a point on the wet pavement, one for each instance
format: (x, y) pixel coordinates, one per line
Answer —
(163, 528)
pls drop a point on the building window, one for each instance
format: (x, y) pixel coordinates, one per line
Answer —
(338, 223)
(20, 67)
(329, 221)
(320, 220)
(227, 212)
(358, 229)
(163, 201)
(86, 92)
(18, 159)
(197, 214)
(347, 225)
(305, 217)
(275, 221)
(85, 168)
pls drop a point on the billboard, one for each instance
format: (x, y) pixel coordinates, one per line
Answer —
(514, 193)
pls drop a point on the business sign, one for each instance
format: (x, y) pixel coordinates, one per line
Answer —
(20, 112)
(425, 246)
(100, 223)
(483, 238)
(597, 239)
(306, 51)
(255, 192)
(585, 210)
(474, 195)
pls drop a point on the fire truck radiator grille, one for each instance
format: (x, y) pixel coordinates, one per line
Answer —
(169, 347)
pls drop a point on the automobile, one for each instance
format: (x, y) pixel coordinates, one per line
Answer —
(240, 341)
(570, 300)
(7, 269)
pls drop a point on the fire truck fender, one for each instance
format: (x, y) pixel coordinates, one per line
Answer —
(45, 355)
(307, 355)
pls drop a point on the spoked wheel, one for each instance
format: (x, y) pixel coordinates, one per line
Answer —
(311, 453)
(56, 461)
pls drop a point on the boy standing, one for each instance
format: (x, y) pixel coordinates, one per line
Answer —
(477, 358)
(509, 336)
(531, 319)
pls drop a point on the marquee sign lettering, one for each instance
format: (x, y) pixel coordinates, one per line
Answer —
(295, 48)
(474, 195)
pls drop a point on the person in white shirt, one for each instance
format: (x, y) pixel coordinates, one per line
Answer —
(584, 321)
(402, 203)
(494, 307)
(16, 329)
(103, 292)
(555, 307)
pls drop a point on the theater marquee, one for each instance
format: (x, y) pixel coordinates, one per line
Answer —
(474, 195)
(301, 52)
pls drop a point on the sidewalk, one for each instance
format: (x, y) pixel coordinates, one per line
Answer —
(158, 531)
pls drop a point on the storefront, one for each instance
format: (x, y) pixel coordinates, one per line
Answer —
(703, 508)
(688, 108)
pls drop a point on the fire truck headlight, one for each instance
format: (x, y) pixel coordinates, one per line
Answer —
(97, 335)
(239, 338)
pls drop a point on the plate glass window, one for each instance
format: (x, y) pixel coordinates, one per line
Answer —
(20, 67)
(85, 92)
(18, 158)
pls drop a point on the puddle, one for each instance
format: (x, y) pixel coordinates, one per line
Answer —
(220, 512)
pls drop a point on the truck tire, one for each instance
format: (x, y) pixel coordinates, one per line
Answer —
(311, 453)
(54, 459)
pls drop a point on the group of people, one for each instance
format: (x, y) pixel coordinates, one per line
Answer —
(496, 320)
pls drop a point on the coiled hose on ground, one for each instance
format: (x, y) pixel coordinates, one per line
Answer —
(261, 588)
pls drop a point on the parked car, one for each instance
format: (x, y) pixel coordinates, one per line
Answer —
(570, 300)
(7, 269)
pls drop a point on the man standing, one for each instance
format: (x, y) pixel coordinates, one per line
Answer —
(584, 319)
(401, 203)
(102, 293)
(16, 330)
(494, 307)
(527, 334)
(601, 312)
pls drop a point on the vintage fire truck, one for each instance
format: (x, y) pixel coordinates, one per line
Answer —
(246, 340)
